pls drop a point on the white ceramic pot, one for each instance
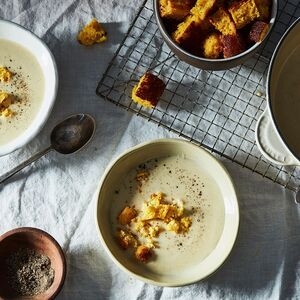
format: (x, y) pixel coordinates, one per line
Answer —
(16, 33)
(276, 130)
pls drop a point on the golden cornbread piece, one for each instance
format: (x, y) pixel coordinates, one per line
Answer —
(190, 33)
(92, 33)
(5, 101)
(212, 46)
(155, 209)
(126, 215)
(258, 31)
(5, 74)
(222, 21)
(244, 12)
(148, 91)
(203, 8)
(7, 113)
(143, 253)
(264, 7)
(233, 45)
(126, 239)
(147, 230)
(181, 225)
(175, 9)
(186, 29)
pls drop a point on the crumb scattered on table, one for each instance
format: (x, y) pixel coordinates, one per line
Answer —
(92, 33)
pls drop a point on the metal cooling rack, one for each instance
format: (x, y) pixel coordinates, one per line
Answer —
(217, 110)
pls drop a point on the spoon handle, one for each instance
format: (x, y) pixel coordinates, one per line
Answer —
(24, 164)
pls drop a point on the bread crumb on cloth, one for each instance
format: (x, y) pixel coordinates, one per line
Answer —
(92, 33)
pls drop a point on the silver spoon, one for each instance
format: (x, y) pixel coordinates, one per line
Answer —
(67, 137)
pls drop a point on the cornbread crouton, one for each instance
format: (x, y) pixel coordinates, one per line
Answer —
(190, 33)
(147, 230)
(203, 8)
(148, 91)
(173, 225)
(212, 46)
(143, 253)
(264, 7)
(5, 74)
(7, 113)
(6, 100)
(126, 239)
(186, 30)
(185, 224)
(258, 31)
(92, 33)
(233, 45)
(142, 177)
(175, 9)
(179, 226)
(222, 21)
(126, 215)
(244, 12)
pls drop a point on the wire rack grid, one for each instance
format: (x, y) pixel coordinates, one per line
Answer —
(217, 110)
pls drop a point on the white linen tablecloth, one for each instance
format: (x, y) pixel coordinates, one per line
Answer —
(56, 193)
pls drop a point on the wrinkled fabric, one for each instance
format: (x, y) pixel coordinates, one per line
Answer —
(56, 193)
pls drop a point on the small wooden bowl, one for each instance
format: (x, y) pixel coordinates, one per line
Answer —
(42, 242)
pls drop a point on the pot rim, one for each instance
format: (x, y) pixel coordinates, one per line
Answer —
(268, 92)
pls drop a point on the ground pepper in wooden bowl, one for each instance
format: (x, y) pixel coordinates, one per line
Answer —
(29, 272)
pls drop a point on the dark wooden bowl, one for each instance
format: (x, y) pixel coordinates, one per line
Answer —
(42, 242)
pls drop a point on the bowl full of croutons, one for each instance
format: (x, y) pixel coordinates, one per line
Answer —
(215, 34)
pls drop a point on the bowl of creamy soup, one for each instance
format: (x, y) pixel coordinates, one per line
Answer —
(28, 85)
(277, 131)
(167, 212)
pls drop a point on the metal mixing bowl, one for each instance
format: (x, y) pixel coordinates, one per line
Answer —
(211, 64)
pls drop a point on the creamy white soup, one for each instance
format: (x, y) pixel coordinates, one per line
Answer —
(26, 85)
(287, 101)
(180, 180)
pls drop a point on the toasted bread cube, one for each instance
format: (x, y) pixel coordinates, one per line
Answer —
(244, 12)
(5, 99)
(92, 33)
(175, 9)
(212, 46)
(258, 31)
(222, 21)
(5, 74)
(185, 224)
(143, 253)
(185, 30)
(233, 45)
(126, 239)
(173, 225)
(264, 7)
(148, 91)
(203, 8)
(190, 33)
(126, 215)
(7, 113)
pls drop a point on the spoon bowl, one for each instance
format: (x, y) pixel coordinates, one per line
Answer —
(73, 133)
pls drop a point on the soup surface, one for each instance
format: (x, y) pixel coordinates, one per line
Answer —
(287, 101)
(26, 86)
(180, 179)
